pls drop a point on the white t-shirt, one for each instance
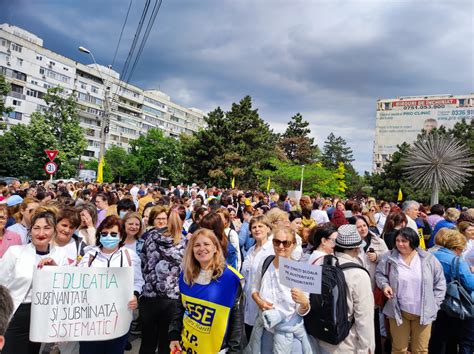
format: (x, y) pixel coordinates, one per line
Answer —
(250, 266)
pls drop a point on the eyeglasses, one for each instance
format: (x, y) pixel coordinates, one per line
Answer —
(285, 243)
(105, 234)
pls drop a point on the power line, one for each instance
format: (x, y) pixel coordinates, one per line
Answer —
(135, 39)
(149, 26)
(121, 32)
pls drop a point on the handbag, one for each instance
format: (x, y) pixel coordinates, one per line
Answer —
(458, 302)
(379, 297)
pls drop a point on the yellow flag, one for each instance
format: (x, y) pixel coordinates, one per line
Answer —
(232, 183)
(100, 171)
(400, 195)
(268, 184)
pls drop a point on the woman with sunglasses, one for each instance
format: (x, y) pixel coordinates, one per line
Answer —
(281, 308)
(110, 251)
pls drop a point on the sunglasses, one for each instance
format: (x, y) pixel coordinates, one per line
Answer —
(105, 234)
(285, 243)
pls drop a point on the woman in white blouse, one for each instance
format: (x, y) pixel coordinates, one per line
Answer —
(16, 273)
(260, 230)
(111, 252)
(279, 327)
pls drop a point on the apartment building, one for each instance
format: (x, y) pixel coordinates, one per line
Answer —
(31, 69)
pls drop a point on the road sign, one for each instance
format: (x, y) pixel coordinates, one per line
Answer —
(51, 154)
(50, 168)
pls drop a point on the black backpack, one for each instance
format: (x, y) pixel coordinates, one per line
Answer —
(327, 319)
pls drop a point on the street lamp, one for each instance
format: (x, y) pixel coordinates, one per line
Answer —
(105, 118)
(301, 184)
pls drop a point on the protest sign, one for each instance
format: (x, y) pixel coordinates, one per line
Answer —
(72, 304)
(306, 277)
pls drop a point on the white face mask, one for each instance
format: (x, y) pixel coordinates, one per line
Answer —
(123, 213)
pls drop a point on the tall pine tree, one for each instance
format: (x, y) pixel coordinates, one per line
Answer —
(336, 150)
(296, 143)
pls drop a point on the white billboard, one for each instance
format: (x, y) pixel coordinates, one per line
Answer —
(401, 120)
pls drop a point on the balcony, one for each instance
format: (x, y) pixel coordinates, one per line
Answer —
(16, 95)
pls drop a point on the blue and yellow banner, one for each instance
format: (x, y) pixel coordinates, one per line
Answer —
(207, 311)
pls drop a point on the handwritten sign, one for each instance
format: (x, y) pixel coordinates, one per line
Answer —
(72, 304)
(306, 277)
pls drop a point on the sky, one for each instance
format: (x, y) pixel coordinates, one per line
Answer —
(330, 60)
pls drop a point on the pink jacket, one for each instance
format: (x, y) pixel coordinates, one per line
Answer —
(10, 238)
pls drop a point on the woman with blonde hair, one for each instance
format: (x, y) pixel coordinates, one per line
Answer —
(450, 334)
(208, 318)
(161, 258)
(279, 327)
(260, 230)
(133, 228)
(23, 218)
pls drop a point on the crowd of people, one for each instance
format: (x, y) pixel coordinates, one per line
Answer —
(209, 258)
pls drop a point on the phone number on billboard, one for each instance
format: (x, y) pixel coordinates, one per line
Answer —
(434, 106)
(462, 112)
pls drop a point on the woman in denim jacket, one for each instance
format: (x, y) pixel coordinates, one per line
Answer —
(448, 332)
(414, 283)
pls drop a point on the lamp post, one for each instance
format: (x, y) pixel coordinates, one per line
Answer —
(105, 118)
(301, 184)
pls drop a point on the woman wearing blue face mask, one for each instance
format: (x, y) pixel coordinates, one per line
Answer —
(110, 251)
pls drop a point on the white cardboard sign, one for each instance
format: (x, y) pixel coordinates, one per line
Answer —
(304, 276)
(72, 304)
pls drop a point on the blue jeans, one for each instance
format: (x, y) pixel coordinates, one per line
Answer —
(267, 344)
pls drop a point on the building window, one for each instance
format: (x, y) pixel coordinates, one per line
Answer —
(15, 115)
(17, 103)
(52, 63)
(16, 47)
(94, 89)
(19, 61)
(4, 42)
(34, 93)
(34, 82)
(83, 85)
(17, 88)
(39, 57)
(65, 69)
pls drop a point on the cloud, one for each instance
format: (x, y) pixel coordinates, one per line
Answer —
(329, 60)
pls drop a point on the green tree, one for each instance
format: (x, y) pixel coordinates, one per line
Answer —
(153, 155)
(116, 159)
(236, 143)
(55, 129)
(335, 150)
(5, 88)
(285, 176)
(385, 185)
(296, 143)
(62, 120)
